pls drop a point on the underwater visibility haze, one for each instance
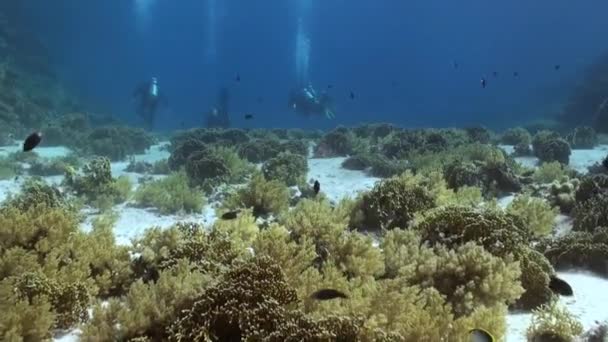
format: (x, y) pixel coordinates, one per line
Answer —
(303, 170)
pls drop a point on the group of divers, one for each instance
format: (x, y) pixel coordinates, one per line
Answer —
(304, 100)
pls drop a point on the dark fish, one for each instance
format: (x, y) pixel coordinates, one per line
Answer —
(248, 116)
(260, 99)
(231, 215)
(329, 86)
(494, 73)
(352, 95)
(455, 65)
(327, 294)
(605, 162)
(32, 141)
(480, 335)
(557, 66)
(16, 177)
(560, 287)
(238, 77)
(515, 73)
(316, 187)
(483, 82)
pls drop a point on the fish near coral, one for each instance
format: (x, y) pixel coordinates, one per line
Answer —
(316, 187)
(327, 294)
(32, 141)
(480, 335)
(560, 287)
(605, 162)
(231, 215)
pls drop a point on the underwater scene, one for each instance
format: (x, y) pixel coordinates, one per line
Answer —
(303, 170)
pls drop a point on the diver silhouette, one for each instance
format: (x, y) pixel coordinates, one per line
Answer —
(149, 98)
(305, 101)
(218, 116)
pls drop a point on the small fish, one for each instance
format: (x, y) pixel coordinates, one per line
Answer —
(557, 66)
(316, 187)
(16, 177)
(231, 215)
(330, 86)
(352, 95)
(605, 162)
(327, 294)
(32, 141)
(455, 65)
(560, 287)
(480, 335)
(260, 99)
(248, 116)
(483, 82)
(494, 73)
(515, 74)
(238, 77)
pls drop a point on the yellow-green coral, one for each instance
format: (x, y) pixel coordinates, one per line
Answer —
(554, 322)
(550, 172)
(538, 215)
(170, 195)
(264, 197)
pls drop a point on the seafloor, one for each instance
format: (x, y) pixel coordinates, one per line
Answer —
(587, 304)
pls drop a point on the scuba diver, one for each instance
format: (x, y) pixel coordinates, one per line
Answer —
(149, 98)
(218, 117)
(306, 102)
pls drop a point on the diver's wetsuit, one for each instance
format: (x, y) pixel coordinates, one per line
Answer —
(149, 98)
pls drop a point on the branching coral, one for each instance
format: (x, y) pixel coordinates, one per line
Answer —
(265, 197)
(260, 150)
(339, 142)
(211, 167)
(578, 250)
(516, 136)
(393, 202)
(479, 134)
(548, 147)
(147, 309)
(591, 214)
(554, 323)
(170, 195)
(96, 184)
(537, 213)
(36, 192)
(501, 235)
(549, 172)
(287, 167)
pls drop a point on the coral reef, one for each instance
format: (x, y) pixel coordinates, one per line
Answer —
(582, 250)
(263, 196)
(479, 134)
(116, 142)
(583, 137)
(551, 322)
(211, 167)
(393, 202)
(501, 234)
(170, 195)
(339, 142)
(516, 136)
(550, 172)
(549, 146)
(96, 185)
(536, 212)
(591, 214)
(286, 167)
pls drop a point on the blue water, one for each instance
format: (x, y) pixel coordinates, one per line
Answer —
(395, 55)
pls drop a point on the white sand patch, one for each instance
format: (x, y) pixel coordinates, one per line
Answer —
(563, 225)
(504, 202)
(580, 160)
(587, 304)
(337, 182)
(133, 222)
(45, 152)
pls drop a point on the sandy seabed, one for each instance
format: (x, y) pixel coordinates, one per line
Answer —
(590, 292)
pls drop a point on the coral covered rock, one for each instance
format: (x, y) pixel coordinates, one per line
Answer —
(287, 167)
(516, 136)
(265, 197)
(548, 147)
(339, 142)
